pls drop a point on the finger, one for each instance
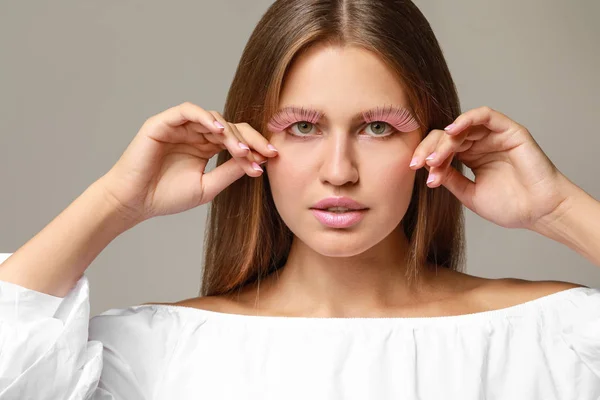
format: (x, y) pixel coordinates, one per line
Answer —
(425, 148)
(252, 155)
(221, 177)
(256, 140)
(208, 137)
(476, 132)
(460, 186)
(441, 170)
(171, 125)
(446, 145)
(454, 144)
(437, 174)
(252, 168)
(203, 134)
(232, 142)
(189, 112)
(453, 180)
(492, 119)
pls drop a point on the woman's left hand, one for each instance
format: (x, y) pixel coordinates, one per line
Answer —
(515, 185)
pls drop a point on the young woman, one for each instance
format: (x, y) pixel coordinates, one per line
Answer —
(335, 273)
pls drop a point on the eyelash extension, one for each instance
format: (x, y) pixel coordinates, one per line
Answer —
(398, 119)
(401, 119)
(282, 120)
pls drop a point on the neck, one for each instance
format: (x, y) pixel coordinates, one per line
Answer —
(370, 283)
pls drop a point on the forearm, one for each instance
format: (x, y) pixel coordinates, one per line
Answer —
(55, 258)
(576, 223)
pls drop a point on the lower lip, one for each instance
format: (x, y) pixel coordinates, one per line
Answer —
(339, 220)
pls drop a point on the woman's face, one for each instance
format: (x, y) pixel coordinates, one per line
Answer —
(329, 147)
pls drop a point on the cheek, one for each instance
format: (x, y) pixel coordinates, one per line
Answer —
(390, 176)
(290, 172)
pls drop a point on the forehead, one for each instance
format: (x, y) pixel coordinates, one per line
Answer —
(342, 77)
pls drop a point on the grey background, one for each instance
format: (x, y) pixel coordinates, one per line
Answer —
(78, 79)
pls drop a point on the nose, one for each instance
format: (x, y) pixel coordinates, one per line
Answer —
(338, 165)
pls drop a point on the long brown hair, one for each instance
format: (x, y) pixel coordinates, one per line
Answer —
(245, 238)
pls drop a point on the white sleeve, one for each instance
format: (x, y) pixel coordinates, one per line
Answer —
(583, 336)
(45, 351)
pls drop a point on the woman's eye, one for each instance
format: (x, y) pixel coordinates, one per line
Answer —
(378, 128)
(303, 127)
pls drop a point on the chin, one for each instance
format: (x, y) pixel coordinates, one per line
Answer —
(342, 242)
(341, 251)
(339, 243)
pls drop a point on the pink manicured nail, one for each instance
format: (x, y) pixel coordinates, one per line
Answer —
(243, 146)
(256, 167)
(431, 156)
(431, 178)
(450, 127)
(414, 162)
(219, 125)
(271, 147)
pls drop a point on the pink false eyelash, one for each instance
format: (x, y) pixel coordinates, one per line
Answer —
(401, 118)
(288, 116)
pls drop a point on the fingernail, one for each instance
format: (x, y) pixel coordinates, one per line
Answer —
(450, 127)
(243, 146)
(271, 147)
(413, 162)
(256, 167)
(431, 156)
(219, 125)
(263, 162)
(431, 178)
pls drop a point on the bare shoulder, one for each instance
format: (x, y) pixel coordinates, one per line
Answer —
(507, 292)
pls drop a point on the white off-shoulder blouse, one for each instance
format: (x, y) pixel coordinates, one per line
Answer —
(548, 348)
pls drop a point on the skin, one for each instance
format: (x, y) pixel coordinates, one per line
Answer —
(358, 271)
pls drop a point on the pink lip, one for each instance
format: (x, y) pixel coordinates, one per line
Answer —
(339, 220)
(341, 201)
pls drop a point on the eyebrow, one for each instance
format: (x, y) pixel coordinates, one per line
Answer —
(359, 117)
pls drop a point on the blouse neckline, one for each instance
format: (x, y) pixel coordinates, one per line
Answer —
(530, 307)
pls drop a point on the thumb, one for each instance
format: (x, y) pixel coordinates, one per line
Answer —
(219, 178)
(460, 186)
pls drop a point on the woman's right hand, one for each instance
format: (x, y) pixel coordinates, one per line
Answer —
(162, 170)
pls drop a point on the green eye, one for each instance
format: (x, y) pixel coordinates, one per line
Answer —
(304, 127)
(378, 127)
